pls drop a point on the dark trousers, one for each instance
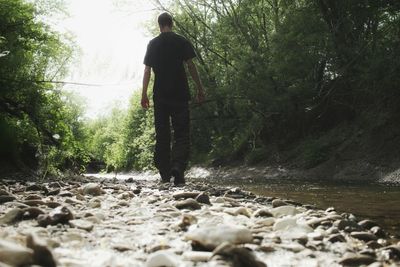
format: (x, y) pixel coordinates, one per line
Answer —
(176, 157)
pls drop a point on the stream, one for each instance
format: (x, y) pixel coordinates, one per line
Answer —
(375, 201)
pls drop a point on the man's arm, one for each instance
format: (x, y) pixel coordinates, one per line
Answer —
(200, 95)
(146, 80)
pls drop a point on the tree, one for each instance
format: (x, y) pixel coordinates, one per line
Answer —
(34, 111)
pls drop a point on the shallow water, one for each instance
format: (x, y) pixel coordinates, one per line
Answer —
(375, 201)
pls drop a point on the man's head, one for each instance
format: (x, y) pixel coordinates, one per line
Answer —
(165, 21)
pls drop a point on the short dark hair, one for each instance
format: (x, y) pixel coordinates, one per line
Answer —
(165, 19)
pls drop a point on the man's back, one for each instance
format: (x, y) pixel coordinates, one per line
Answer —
(166, 54)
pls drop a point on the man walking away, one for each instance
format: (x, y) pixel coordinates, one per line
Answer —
(166, 55)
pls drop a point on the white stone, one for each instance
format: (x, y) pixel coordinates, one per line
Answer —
(285, 224)
(92, 189)
(197, 256)
(161, 259)
(213, 236)
(81, 224)
(291, 228)
(266, 222)
(284, 211)
(238, 211)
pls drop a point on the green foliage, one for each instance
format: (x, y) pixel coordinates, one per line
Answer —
(313, 152)
(281, 71)
(124, 139)
(43, 123)
(139, 137)
(257, 155)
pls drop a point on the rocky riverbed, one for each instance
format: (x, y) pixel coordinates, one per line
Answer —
(91, 222)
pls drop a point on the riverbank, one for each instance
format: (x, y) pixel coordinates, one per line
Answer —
(134, 222)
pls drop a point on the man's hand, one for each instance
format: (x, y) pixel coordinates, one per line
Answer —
(146, 79)
(200, 96)
(145, 102)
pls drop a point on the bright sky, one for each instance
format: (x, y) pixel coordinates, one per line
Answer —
(113, 40)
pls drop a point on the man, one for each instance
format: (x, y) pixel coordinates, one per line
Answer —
(166, 55)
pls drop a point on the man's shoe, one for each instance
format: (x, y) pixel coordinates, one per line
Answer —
(165, 177)
(179, 177)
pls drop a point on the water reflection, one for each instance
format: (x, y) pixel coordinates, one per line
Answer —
(374, 201)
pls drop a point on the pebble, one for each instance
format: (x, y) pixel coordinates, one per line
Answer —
(137, 190)
(315, 236)
(368, 252)
(374, 245)
(212, 236)
(73, 202)
(52, 204)
(54, 185)
(185, 195)
(203, 198)
(42, 255)
(336, 238)
(34, 202)
(32, 197)
(4, 192)
(278, 203)
(354, 259)
(197, 256)
(93, 189)
(162, 259)
(158, 248)
(239, 256)
(65, 194)
(292, 247)
(14, 254)
(238, 211)
(122, 247)
(367, 224)
(125, 195)
(7, 198)
(284, 211)
(54, 192)
(393, 251)
(291, 224)
(332, 230)
(267, 248)
(267, 221)
(11, 216)
(130, 180)
(189, 203)
(31, 213)
(81, 224)
(364, 236)
(34, 187)
(187, 220)
(347, 225)
(58, 215)
(123, 203)
(262, 213)
(377, 231)
(95, 203)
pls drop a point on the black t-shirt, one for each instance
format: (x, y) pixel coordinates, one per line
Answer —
(166, 54)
